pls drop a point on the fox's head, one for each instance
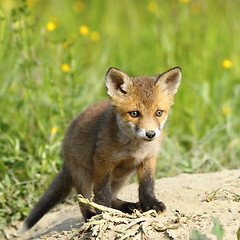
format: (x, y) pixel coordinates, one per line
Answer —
(142, 103)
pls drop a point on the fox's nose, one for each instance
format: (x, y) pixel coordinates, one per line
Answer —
(150, 134)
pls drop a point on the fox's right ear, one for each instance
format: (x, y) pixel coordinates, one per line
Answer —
(117, 82)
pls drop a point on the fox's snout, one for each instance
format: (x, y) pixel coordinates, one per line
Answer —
(147, 135)
(150, 134)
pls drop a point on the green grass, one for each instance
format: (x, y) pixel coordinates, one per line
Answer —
(141, 38)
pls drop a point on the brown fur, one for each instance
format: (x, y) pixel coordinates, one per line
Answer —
(104, 145)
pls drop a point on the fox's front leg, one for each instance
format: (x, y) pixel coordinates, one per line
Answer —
(147, 197)
(102, 183)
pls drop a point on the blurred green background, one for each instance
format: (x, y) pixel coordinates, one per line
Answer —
(53, 58)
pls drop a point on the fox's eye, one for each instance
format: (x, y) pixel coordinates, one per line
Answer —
(134, 114)
(159, 113)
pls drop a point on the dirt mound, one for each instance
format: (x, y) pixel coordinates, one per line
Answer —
(192, 201)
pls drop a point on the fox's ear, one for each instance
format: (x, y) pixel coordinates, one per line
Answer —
(169, 81)
(117, 82)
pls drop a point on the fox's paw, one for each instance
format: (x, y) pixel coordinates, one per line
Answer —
(89, 213)
(149, 204)
(128, 207)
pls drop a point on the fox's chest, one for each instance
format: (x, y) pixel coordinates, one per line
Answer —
(135, 153)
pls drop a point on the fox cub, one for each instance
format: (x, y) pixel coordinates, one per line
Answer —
(107, 142)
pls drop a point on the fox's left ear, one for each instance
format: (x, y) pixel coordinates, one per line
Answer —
(169, 81)
(117, 82)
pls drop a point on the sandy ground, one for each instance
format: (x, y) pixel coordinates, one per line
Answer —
(195, 198)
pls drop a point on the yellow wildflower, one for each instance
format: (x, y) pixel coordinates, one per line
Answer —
(184, 1)
(227, 63)
(84, 30)
(226, 110)
(152, 7)
(65, 68)
(95, 36)
(54, 130)
(51, 26)
(78, 6)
